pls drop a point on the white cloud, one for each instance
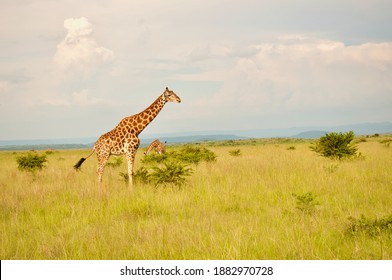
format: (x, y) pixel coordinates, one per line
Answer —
(216, 76)
(223, 58)
(79, 50)
(4, 86)
(298, 73)
(83, 98)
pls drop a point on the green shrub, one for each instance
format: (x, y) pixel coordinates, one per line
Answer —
(235, 153)
(229, 143)
(156, 158)
(142, 176)
(171, 167)
(170, 173)
(360, 140)
(336, 145)
(386, 142)
(50, 152)
(191, 154)
(370, 227)
(116, 162)
(188, 155)
(31, 162)
(124, 176)
(306, 203)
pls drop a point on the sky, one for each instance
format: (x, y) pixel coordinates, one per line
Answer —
(73, 69)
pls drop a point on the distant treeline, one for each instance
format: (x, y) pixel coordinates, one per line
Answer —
(143, 142)
(45, 147)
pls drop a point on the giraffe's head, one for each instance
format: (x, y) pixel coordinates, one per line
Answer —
(170, 96)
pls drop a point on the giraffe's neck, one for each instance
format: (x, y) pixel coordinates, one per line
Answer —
(144, 118)
(149, 149)
(152, 146)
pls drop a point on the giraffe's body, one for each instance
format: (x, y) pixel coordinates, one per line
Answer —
(124, 138)
(158, 147)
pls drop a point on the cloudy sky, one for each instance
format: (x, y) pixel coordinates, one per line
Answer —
(72, 69)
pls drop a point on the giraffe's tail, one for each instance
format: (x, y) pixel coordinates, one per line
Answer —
(80, 162)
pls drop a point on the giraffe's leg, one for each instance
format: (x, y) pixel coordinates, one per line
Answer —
(130, 159)
(102, 160)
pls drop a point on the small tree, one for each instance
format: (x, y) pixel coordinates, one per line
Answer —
(193, 155)
(188, 155)
(306, 202)
(31, 162)
(336, 145)
(171, 173)
(141, 175)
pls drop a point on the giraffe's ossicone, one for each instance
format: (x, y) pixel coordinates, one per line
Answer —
(124, 138)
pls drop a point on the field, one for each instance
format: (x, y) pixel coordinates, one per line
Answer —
(274, 199)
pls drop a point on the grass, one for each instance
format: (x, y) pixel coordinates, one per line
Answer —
(237, 207)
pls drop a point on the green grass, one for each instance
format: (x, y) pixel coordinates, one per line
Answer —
(237, 207)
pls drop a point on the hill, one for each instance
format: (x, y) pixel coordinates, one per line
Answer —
(202, 136)
(86, 143)
(314, 134)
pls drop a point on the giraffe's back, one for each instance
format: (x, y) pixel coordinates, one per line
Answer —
(117, 141)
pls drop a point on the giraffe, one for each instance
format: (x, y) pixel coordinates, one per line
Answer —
(158, 147)
(123, 139)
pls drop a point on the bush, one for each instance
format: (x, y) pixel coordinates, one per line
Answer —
(142, 176)
(50, 152)
(116, 162)
(170, 173)
(188, 155)
(370, 227)
(124, 176)
(386, 142)
(360, 140)
(156, 158)
(171, 167)
(336, 145)
(306, 203)
(31, 162)
(235, 153)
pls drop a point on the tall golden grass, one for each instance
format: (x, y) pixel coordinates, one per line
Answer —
(239, 207)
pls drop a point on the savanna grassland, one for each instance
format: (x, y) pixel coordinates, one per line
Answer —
(261, 199)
